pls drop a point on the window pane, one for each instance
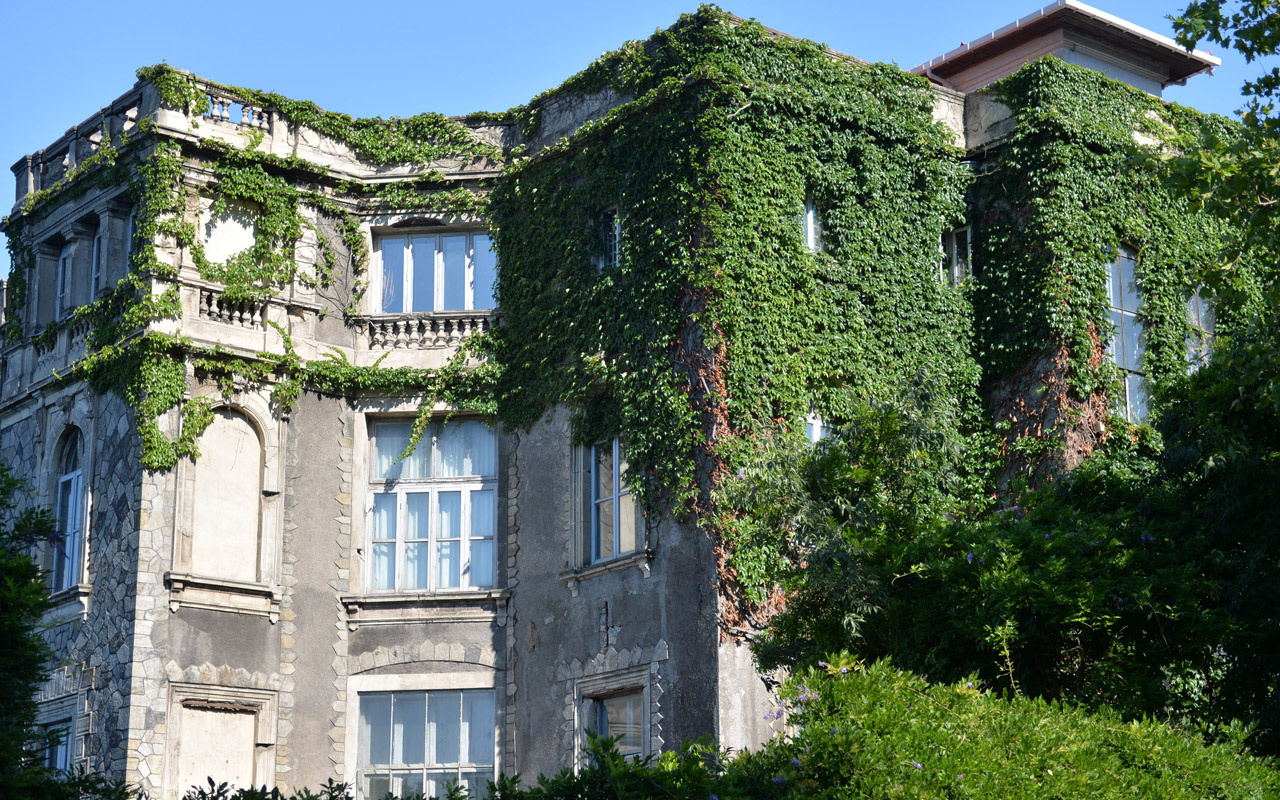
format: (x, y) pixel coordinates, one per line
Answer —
(477, 784)
(409, 732)
(482, 553)
(1128, 282)
(415, 565)
(448, 531)
(408, 784)
(438, 783)
(389, 441)
(1136, 388)
(384, 566)
(604, 470)
(392, 275)
(450, 520)
(375, 729)
(450, 565)
(466, 448)
(1132, 342)
(486, 271)
(604, 529)
(418, 511)
(623, 719)
(377, 786)
(478, 719)
(482, 563)
(443, 718)
(455, 272)
(1114, 343)
(482, 514)
(384, 517)
(383, 554)
(424, 272)
(626, 524)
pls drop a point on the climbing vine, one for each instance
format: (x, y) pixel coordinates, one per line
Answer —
(1064, 193)
(718, 329)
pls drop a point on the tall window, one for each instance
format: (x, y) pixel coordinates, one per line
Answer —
(613, 509)
(436, 272)
(1127, 344)
(1200, 337)
(68, 546)
(955, 265)
(611, 251)
(66, 264)
(433, 513)
(811, 224)
(415, 743)
(57, 751)
(95, 276)
(619, 717)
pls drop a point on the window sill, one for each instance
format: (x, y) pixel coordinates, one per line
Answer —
(640, 559)
(67, 605)
(454, 605)
(222, 594)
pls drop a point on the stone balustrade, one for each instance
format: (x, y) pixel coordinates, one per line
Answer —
(437, 329)
(231, 111)
(242, 313)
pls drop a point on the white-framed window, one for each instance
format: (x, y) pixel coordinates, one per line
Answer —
(619, 717)
(815, 428)
(68, 545)
(66, 265)
(1127, 343)
(956, 265)
(1200, 338)
(432, 514)
(811, 225)
(417, 742)
(95, 276)
(611, 252)
(446, 271)
(613, 529)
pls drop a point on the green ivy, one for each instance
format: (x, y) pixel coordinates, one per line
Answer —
(1055, 203)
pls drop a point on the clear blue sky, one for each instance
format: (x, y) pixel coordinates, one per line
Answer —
(62, 61)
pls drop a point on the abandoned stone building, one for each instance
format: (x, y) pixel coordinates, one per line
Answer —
(300, 602)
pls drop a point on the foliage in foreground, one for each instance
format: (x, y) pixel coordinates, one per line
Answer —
(882, 732)
(1143, 583)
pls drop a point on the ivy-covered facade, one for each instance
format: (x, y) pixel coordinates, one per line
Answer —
(393, 451)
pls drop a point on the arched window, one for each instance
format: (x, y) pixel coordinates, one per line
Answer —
(228, 496)
(68, 546)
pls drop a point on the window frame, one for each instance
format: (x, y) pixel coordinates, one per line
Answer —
(811, 227)
(954, 270)
(484, 771)
(62, 299)
(618, 490)
(95, 274)
(1129, 403)
(432, 485)
(1203, 330)
(590, 692)
(66, 558)
(438, 271)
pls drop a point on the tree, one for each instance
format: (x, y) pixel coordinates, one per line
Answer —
(24, 660)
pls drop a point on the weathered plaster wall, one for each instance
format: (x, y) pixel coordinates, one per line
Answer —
(654, 617)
